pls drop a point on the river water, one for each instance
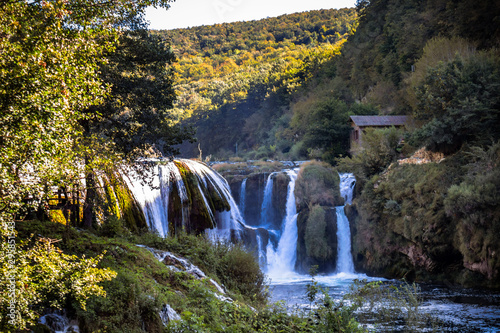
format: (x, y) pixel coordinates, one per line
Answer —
(448, 309)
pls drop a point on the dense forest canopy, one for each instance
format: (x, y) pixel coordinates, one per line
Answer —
(235, 81)
(254, 86)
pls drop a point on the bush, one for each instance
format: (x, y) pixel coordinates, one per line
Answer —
(50, 279)
(317, 183)
(458, 103)
(378, 149)
(112, 227)
(298, 151)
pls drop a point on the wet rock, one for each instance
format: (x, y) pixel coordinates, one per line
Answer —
(167, 314)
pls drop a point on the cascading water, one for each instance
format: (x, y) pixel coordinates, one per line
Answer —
(229, 220)
(154, 199)
(281, 261)
(242, 196)
(167, 181)
(185, 187)
(266, 202)
(344, 256)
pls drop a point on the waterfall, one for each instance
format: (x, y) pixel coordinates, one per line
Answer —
(281, 260)
(154, 199)
(242, 196)
(232, 219)
(190, 195)
(344, 256)
(167, 181)
(260, 252)
(267, 202)
(347, 182)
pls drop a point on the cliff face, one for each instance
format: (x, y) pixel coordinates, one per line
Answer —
(425, 223)
(316, 193)
(254, 196)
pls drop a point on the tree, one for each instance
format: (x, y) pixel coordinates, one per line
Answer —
(52, 52)
(135, 117)
(459, 102)
(378, 149)
(46, 278)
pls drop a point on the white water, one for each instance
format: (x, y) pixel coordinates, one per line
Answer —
(59, 323)
(266, 202)
(344, 256)
(281, 261)
(231, 220)
(260, 251)
(347, 182)
(242, 197)
(154, 200)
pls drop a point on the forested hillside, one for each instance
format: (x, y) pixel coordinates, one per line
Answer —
(430, 216)
(235, 81)
(284, 87)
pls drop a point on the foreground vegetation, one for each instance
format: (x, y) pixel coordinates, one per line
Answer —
(138, 286)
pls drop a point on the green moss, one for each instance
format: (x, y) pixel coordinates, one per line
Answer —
(317, 183)
(143, 284)
(132, 213)
(199, 214)
(448, 213)
(111, 201)
(117, 200)
(315, 235)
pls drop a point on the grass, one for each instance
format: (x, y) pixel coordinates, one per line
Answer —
(143, 284)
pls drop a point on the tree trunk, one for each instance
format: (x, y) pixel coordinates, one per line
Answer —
(90, 196)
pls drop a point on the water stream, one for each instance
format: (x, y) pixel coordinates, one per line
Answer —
(451, 310)
(344, 256)
(265, 209)
(281, 260)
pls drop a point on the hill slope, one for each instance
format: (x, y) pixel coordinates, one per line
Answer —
(236, 80)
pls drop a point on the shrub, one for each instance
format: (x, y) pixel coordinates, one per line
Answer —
(112, 227)
(45, 277)
(458, 103)
(377, 151)
(317, 183)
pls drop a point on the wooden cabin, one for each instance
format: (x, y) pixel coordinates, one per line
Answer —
(360, 123)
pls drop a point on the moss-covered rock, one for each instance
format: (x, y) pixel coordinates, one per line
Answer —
(317, 239)
(317, 193)
(279, 197)
(317, 184)
(204, 200)
(254, 196)
(116, 199)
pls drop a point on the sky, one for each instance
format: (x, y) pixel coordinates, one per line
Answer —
(191, 13)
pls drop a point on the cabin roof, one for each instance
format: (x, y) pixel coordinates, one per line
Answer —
(380, 120)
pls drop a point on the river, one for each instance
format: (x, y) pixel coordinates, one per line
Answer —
(449, 309)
